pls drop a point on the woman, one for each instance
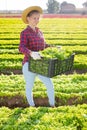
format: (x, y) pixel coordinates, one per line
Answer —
(32, 41)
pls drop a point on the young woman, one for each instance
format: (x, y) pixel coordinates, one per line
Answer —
(32, 41)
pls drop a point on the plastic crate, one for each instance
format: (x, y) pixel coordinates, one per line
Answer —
(51, 67)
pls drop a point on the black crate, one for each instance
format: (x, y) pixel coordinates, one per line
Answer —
(51, 67)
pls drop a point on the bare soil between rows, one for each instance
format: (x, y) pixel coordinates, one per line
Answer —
(19, 101)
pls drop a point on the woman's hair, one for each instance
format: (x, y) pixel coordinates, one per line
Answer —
(32, 12)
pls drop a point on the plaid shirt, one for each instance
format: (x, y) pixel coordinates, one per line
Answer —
(31, 41)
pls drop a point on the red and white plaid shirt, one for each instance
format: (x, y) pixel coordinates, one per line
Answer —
(31, 41)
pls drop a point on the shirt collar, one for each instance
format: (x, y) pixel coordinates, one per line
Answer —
(37, 29)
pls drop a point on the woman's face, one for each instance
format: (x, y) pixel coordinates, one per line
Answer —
(33, 20)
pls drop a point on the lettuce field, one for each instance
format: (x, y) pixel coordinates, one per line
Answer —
(70, 33)
(70, 112)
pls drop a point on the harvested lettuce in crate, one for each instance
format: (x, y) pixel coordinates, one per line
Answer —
(53, 62)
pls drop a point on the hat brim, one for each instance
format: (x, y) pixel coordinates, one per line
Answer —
(29, 9)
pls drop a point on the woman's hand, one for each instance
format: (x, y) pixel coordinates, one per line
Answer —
(35, 55)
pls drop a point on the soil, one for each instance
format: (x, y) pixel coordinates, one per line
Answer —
(19, 101)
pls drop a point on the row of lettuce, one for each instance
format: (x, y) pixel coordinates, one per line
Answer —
(61, 118)
(69, 89)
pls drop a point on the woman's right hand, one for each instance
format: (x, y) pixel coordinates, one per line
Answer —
(35, 55)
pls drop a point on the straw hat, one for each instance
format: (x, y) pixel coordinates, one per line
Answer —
(28, 10)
